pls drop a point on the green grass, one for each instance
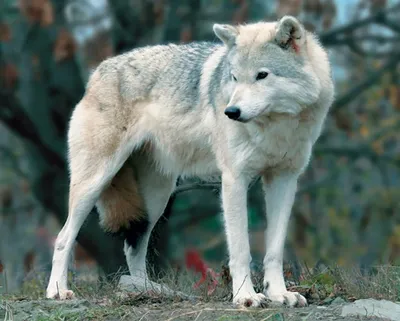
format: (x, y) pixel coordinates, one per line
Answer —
(102, 300)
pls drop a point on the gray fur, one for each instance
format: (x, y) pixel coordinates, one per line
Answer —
(178, 78)
(165, 108)
(218, 79)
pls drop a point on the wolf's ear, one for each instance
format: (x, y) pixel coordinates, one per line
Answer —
(226, 33)
(290, 33)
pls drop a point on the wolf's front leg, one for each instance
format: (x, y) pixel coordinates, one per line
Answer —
(234, 200)
(279, 197)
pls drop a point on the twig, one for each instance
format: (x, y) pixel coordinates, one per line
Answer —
(144, 315)
(183, 314)
(240, 286)
(238, 310)
(5, 281)
(268, 317)
(199, 185)
(359, 50)
(9, 315)
(198, 316)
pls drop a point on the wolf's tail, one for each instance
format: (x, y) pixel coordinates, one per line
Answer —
(121, 204)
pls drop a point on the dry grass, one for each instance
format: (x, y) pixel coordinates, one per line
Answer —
(383, 282)
(102, 300)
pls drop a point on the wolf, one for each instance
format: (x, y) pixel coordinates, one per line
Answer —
(252, 105)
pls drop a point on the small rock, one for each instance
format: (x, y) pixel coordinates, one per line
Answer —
(328, 300)
(338, 301)
(372, 307)
(142, 285)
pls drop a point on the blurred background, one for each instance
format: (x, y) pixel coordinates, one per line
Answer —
(348, 205)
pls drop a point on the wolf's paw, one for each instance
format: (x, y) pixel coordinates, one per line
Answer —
(250, 300)
(291, 299)
(59, 294)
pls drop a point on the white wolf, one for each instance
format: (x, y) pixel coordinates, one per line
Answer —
(252, 106)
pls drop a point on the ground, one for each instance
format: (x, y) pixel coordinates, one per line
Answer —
(77, 310)
(102, 301)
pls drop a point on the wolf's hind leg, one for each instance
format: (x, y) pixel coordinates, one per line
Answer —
(155, 188)
(94, 159)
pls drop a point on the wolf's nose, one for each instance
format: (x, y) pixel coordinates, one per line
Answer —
(232, 112)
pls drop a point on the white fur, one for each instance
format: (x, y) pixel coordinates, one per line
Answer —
(282, 117)
(279, 197)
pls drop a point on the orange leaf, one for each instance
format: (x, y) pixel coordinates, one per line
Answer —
(47, 15)
(37, 11)
(5, 32)
(313, 6)
(158, 11)
(35, 60)
(289, 7)
(377, 147)
(97, 48)
(394, 96)
(241, 13)
(64, 47)
(327, 22)
(9, 75)
(364, 131)
(186, 34)
(377, 5)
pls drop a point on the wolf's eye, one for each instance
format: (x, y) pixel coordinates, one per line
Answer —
(233, 77)
(262, 75)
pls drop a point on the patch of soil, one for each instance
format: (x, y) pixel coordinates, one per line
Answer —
(147, 310)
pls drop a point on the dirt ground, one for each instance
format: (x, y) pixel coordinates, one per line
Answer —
(148, 310)
(106, 301)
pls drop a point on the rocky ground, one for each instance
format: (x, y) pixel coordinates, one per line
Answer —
(154, 308)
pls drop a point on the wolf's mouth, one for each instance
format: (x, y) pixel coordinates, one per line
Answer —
(260, 114)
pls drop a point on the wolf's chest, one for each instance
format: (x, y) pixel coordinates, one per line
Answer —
(282, 144)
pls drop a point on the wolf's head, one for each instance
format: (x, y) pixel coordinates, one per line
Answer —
(269, 69)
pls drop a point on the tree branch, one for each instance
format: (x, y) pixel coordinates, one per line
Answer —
(331, 37)
(17, 120)
(364, 85)
(390, 24)
(185, 187)
(359, 50)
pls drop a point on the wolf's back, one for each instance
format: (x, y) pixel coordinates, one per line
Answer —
(171, 72)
